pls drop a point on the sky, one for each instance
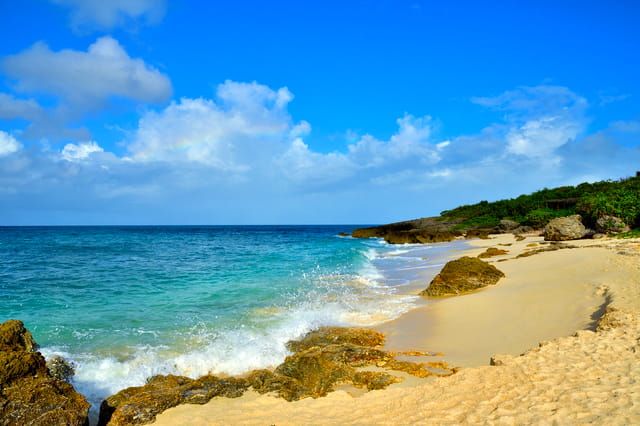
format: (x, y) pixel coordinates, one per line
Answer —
(314, 112)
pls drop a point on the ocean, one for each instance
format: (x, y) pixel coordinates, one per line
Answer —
(126, 303)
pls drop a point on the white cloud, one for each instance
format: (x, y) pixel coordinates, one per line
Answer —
(81, 151)
(8, 144)
(242, 158)
(539, 119)
(86, 80)
(245, 125)
(107, 14)
(12, 107)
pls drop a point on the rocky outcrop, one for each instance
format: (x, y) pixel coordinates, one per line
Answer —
(491, 252)
(29, 394)
(565, 228)
(611, 225)
(321, 360)
(461, 276)
(419, 231)
(141, 404)
(508, 225)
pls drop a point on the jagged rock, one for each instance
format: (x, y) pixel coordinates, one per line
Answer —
(611, 225)
(461, 276)
(565, 228)
(60, 368)
(491, 252)
(28, 393)
(15, 337)
(141, 404)
(508, 225)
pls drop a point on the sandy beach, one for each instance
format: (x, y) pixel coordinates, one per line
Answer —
(578, 365)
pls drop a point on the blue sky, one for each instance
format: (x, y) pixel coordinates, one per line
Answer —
(179, 112)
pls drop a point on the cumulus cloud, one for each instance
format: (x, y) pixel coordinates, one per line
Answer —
(86, 79)
(240, 157)
(8, 144)
(81, 151)
(88, 15)
(247, 123)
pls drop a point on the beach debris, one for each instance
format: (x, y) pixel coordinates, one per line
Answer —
(565, 228)
(60, 368)
(29, 394)
(462, 275)
(611, 225)
(491, 252)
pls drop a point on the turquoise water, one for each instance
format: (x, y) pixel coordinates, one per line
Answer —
(125, 303)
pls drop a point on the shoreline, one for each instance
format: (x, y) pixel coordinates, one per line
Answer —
(595, 276)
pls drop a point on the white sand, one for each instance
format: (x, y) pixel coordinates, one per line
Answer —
(590, 377)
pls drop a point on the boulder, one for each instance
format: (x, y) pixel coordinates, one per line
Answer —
(508, 225)
(611, 225)
(461, 276)
(29, 394)
(565, 228)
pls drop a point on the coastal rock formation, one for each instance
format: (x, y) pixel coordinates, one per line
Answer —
(461, 276)
(565, 228)
(419, 231)
(141, 404)
(491, 252)
(60, 368)
(321, 360)
(611, 225)
(28, 392)
(508, 225)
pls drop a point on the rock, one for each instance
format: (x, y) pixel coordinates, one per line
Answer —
(483, 234)
(491, 252)
(60, 368)
(611, 225)
(565, 228)
(417, 237)
(343, 234)
(523, 229)
(141, 404)
(325, 336)
(598, 236)
(15, 337)
(508, 225)
(461, 276)
(28, 392)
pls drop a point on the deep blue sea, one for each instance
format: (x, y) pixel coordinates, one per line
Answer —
(125, 303)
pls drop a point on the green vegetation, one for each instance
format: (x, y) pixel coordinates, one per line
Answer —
(631, 234)
(591, 200)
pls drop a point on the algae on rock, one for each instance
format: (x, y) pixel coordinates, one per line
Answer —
(28, 392)
(463, 275)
